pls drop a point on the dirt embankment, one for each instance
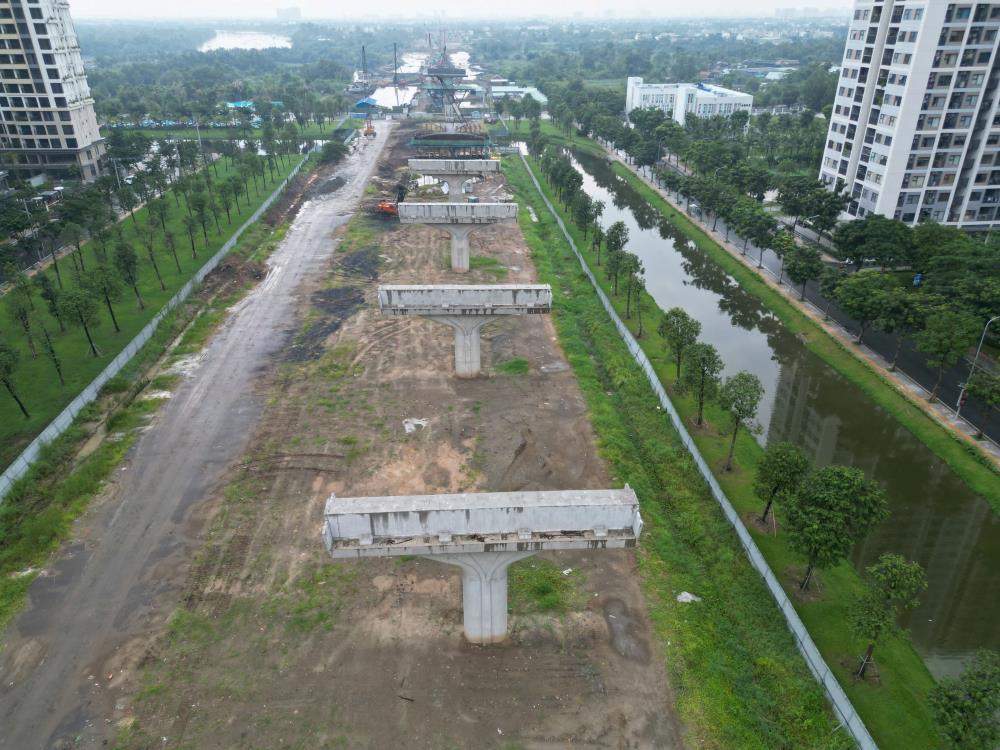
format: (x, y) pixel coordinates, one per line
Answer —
(277, 646)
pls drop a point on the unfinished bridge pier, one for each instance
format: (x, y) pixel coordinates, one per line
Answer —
(455, 172)
(481, 533)
(466, 309)
(459, 220)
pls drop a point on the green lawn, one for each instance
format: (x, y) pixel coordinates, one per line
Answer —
(895, 711)
(35, 379)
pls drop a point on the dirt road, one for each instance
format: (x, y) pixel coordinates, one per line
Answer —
(94, 609)
(276, 646)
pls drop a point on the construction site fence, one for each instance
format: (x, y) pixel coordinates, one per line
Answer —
(61, 423)
(842, 706)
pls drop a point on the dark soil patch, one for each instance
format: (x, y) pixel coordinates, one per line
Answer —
(793, 577)
(325, 187)
(336, 306)
(872, 676)
(361, 264)
(770, 526)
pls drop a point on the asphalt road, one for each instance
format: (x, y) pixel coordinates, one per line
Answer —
(110, 589)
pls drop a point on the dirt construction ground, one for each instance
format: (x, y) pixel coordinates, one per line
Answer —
(273, 645)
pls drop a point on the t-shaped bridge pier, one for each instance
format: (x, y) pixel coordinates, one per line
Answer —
(482, 533)
(455, 172)
(466, 309)
(458, 220)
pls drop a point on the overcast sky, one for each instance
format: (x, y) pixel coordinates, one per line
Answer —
(390, 9)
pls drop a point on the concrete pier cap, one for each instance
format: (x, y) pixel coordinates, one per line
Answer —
(459, 220)
(455, 172)
(482, 533)
(466, 309)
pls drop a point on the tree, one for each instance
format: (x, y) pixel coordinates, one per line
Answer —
(803, 264)
(986, 387)
(740, 395)
(899, 313)
(20, 314)
(8, 365)
(701, 375)
(946, 336)
(616, 237)
(966, 709)
(80, 307)
(149, 242)
(191, 227)
(893, 585)
(127, 264)
(832, 510)
(829, 282)
(863, 296)
(48, 292)
(679, 330)
(885, 242)
(779, 474)
(103, 282)
(783, 244)
(632, 269)
(639, 287)
(50, 352)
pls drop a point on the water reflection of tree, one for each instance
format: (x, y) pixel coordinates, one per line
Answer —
(935, 519)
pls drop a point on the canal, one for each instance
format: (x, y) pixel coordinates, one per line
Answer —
(935, 518)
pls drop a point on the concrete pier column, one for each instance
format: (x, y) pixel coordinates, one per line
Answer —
(455, 183)
(459, 244)
(468, 362)
(484, 592)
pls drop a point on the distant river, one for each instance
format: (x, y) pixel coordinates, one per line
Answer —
(244, 40)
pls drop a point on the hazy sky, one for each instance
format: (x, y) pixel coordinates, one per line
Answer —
(389, 9)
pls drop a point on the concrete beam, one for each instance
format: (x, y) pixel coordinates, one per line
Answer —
(458, 220)
(482, 533)
(466, 309)
(455, 172)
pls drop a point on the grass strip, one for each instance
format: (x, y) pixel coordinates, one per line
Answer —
(35, 378)
(895, 710)
(738, 678)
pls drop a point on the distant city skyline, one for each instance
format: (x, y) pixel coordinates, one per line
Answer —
(221, 10)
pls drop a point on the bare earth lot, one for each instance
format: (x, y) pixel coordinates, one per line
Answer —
(275, 646)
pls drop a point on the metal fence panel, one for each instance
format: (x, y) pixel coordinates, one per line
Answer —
(842, 705)
(61, 423)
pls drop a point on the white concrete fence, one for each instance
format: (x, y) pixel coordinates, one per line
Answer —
(61, 423)
(842, 705)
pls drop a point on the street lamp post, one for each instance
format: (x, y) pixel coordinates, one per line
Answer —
(975, 360)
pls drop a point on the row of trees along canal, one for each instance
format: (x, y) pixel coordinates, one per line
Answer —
(826, 511)
(191, 199)
(930, 288)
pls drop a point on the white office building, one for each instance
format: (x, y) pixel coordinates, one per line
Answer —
(680, 99)
(915, 132)
(47, 121)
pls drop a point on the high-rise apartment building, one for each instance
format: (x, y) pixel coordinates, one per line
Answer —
(915, 131)
(47, 120)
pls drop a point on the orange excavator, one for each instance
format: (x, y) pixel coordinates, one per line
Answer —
(388, 209)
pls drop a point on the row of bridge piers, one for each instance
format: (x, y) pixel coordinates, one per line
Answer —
(481, 533)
